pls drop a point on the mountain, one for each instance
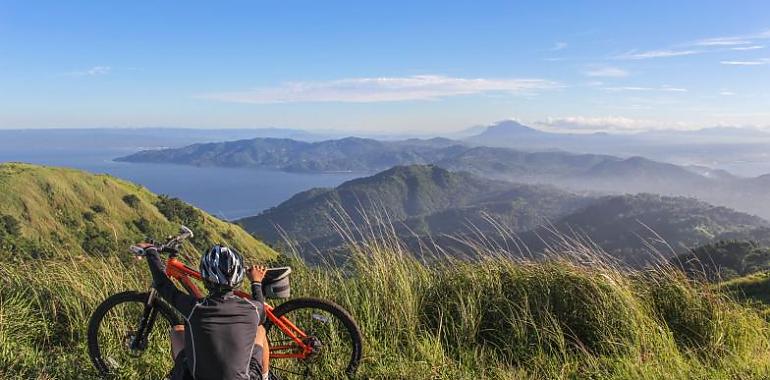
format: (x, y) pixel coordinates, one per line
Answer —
(512, 134)
(427, 204)
(416, 199)
(630, 226)
(572, 171)
(509, 129)
(509, 133)
(46, 211)
(579, 171)
(347, 154)
(367, 155)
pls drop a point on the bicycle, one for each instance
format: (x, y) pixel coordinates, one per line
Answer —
(124, 338)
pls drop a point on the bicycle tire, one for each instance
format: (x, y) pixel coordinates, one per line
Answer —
(101, 311)
(335, 310)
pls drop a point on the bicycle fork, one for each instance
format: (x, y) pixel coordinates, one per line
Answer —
(139, 340)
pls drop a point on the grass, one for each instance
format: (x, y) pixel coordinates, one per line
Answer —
(59, 209)
(492, 318)
(577, 315)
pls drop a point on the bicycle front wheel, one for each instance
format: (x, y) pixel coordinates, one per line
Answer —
(331, 332)
(114, 329)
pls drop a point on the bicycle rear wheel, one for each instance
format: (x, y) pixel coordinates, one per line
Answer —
(112, 329)
(332, 333)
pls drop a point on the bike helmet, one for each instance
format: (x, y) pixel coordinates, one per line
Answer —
(222, 266)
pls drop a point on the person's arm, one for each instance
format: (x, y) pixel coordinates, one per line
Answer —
(256, 274)
(181, 301)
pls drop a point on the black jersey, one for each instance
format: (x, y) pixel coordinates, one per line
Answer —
(219, 329)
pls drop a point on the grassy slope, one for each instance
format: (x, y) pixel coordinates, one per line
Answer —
(50, 283)
(490, 319)
(52, 206)
(427, 198)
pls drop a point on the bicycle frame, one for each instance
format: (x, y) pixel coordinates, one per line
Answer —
(299, 350)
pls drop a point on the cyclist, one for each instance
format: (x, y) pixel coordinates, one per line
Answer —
(222, 337)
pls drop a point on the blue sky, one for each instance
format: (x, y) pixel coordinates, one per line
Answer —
(421, 67)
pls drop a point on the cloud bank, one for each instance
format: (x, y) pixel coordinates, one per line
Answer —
(383, 89)
(605, 124)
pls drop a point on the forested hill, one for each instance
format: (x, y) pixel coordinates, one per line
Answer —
(428, 202)
(417, 199)
(347, 154)
(48, 211)
(633, 226)
(571, 171)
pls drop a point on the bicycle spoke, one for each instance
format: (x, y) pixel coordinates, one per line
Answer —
(117, 332)
(328, 337)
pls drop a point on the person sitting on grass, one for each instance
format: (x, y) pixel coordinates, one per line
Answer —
(223, 337)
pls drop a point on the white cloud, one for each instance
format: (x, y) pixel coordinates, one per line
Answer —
(93, 71)
(722, 41)
(559, 46)
(607, 72)
(754, 62)
(604, 123)
(706, 45)
(383, 89)
(664, 88)
(635, 55)
(726, 93)
(752, 47)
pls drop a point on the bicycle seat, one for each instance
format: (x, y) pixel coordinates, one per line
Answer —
(276, 274)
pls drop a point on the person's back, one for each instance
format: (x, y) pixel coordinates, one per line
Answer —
(220, 330)
(219, 337)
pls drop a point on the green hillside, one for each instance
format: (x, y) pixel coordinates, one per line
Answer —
(491, 318)
(631, 226)
(416, 199)
(724, 260)
(426, 204)
(46, 211)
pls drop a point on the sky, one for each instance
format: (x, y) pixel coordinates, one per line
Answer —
(387, 66)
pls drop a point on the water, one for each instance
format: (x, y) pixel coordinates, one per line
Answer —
(224, 192)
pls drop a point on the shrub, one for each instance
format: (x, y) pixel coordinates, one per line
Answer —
(144, 226)
(98, 242)
(176, 210)
(10, 225)
(131, 200)
(89, 216)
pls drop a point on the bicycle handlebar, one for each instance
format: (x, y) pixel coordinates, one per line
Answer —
(171, 246)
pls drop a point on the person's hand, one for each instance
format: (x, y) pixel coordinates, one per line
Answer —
(256, 273)
(143, 245)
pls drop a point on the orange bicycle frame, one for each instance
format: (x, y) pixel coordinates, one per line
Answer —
(299, 350)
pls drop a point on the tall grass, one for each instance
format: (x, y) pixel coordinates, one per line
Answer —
(577, 315)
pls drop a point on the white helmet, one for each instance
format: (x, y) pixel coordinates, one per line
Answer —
(222, 266)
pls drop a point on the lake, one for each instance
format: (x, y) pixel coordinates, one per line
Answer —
(226, 193)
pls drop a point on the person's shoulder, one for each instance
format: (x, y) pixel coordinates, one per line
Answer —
(242, 301)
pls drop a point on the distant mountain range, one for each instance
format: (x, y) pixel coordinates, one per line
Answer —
(572, 171)
(740, 150)
(511, 133)
(427, 204)
(347, 154)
